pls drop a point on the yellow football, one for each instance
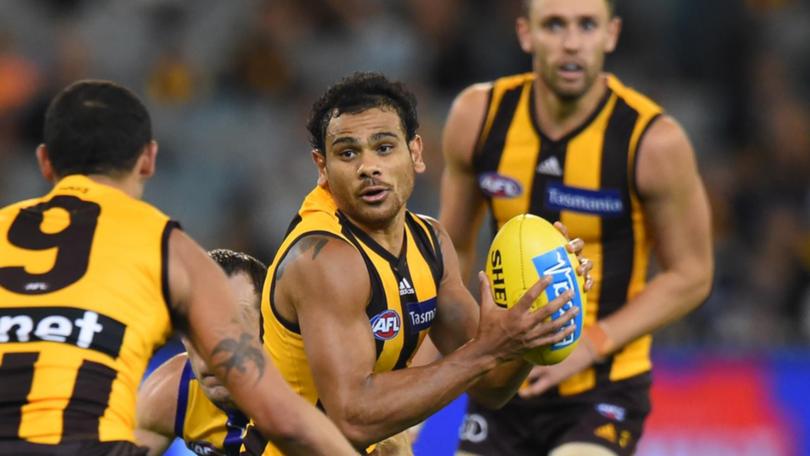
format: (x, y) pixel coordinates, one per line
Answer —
(526, 248)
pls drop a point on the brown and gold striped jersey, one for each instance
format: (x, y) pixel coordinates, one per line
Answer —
(83, 289)
(585, 180)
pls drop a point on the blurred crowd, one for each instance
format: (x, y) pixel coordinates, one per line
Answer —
(230, 85)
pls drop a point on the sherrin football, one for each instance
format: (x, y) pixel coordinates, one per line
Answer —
(526, 248)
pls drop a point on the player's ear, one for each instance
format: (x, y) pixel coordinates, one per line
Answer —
(45, 165)
(415, 146)
(147, 162)
(524, 34)
(320, 161)
(614, 29)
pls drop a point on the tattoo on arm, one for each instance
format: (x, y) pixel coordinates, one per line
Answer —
(239, 355)
(314, 243)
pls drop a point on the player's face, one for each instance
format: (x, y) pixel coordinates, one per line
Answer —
(369, 166)
(248, 299)
(568, 40)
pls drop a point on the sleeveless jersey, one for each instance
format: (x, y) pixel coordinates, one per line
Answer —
(400, 311)
(207, 429)
(587, 181)
(83, 304)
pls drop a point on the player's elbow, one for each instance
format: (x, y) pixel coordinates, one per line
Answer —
(699, 283)
(704, 287)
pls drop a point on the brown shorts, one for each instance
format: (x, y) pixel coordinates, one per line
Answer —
(78, 448)
(611, 416)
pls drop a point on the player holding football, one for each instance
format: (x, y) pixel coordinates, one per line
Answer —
(359, 281)
(569, 142)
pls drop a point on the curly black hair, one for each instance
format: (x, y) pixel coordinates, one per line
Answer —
(357, 93)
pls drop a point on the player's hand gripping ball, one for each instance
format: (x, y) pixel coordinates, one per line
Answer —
(526, 248)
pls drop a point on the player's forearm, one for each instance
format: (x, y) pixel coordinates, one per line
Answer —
(286, 419)
(373, 413)
(300, 429)
(499, 385)
(667, 298)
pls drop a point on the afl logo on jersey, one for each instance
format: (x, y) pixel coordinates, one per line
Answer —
(496, 185)
(385, 325)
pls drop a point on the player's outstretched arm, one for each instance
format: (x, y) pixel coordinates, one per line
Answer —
(156, 406)
(207, 312)
(462, 205)
(330, 289)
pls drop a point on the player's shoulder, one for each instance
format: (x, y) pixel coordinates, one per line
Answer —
(513, 81)
(664, 143)
(442, 236)
(320, 244)
(319, 269)
(138, 211)
(429, 220)
(319, 256)
(473, 99)
(480, 93)
(634, 98)
(157, 396)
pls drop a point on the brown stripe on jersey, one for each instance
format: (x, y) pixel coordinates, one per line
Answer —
(254, 442)
(378, 302)
(17, 372)
(427, 245)
(437, 247)
(91, 395)
(541, 182)
(617, 232)
(634, 164)
(492, 147)
(482, 131)
(177, 322)
(410, 337)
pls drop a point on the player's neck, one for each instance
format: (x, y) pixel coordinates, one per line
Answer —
(388, 236)
(129, 184)
(559, 116)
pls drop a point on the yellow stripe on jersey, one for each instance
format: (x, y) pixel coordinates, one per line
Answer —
(82, 307)
(519, 143)
(587, 181)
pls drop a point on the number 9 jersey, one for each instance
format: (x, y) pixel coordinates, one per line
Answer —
(83, 304)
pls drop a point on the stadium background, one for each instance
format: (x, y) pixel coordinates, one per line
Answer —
(230, 84)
